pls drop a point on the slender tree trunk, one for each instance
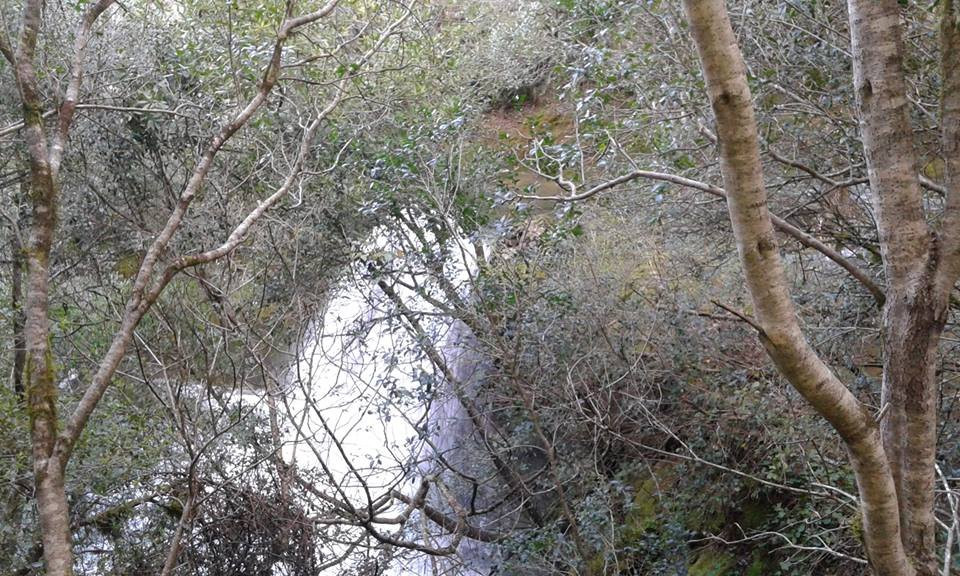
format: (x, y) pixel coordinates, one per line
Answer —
(40, 382)
(39, 378)
(780, 332)
(54, 520)
(52, 447)
(913, 316)
(911, 337)
(948, 269)
(176, 543)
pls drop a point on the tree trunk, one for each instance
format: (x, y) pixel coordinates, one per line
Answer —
(911, 337)
(913, 316)
(41, 389)
(39, 376)
(176, 543)
(54, 519)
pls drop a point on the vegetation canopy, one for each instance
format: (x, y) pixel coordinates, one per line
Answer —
(554, 287)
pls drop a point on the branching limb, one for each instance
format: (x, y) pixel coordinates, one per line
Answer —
(741, 316)
(789, 543)
(835, 184)
(72, 95)
(448, 523)
(509, 474)
(953, 530)
(147, 287)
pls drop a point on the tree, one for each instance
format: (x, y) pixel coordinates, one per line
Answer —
(892, 452)
(54, 441)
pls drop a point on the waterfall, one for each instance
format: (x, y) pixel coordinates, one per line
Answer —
(363, 408)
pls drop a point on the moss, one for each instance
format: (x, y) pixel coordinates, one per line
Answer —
(755, 513)
(713, 562)
(713, 516)
(646, 505)
(856, 526)
(174, 509)
(645, 502)
(111, 521)
(643, 515)
(596, 565)
(758, 567)
(41, 395)
(128, 265)
(33, 115)
(706, 519)
(934, 169)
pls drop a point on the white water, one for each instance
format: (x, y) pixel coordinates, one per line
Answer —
(357, 410)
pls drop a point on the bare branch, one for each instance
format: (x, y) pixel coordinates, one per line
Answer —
(448, 523)
(782, 225)
(72, 94)
(5, 49)
(786, 539)
(953, 501)
(834, 184)
(20, 124)
(741, 316)
(16, 126)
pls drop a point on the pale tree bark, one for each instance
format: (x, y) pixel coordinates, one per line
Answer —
(948, 266)
(781, 335)
(172, 559)
(915, 311)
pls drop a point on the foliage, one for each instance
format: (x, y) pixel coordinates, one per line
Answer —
(648, 431)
